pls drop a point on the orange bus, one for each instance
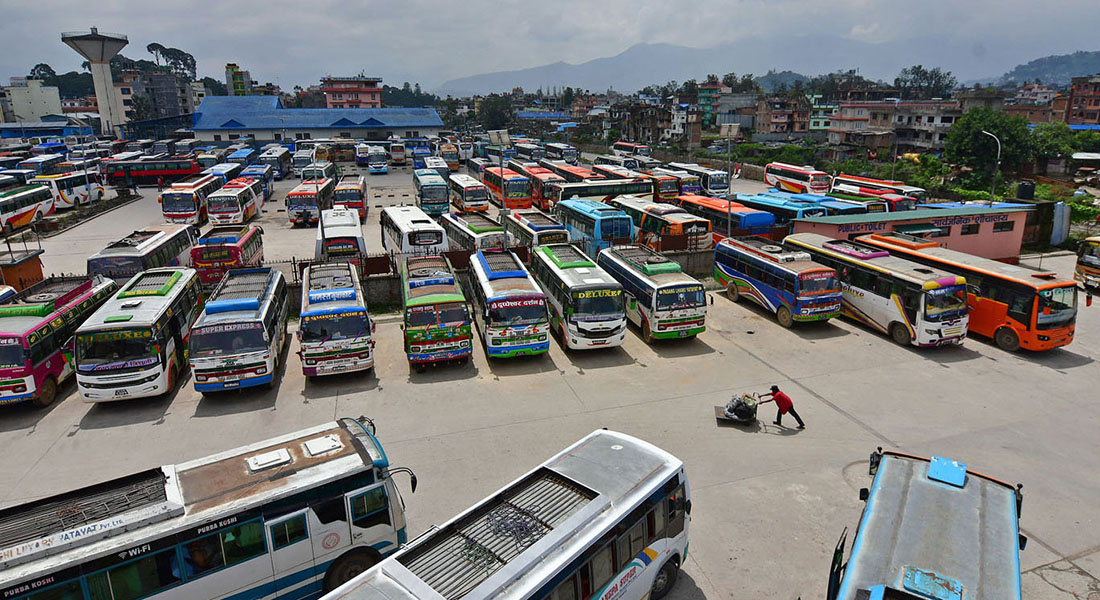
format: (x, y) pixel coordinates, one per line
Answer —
(1015, 306)
(571, 173)
(664, 226)
(542, 180)
(517, 188)
(227, 247)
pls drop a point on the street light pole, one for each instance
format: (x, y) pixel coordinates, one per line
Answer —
(996, 168)
(894, 163)
(22, 128)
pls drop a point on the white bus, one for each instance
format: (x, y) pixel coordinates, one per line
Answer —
(629, 149)
(397, 152)
(558, 151)
(468, 194)
(134, 346)
(912, 303)
(21, 205)
(578, 526)
(152, 247)
(334, 327)
(72, 189)
(474, 231)
(301, 160)
(438, 165)
(377, 160)
(689, 182)
(531, 227)
(233, 204)
(509, 308)
(340, 236)
(185, 201)
(626, 161)
(715, 183)
(409, 230)
(292, 517)
(237, 341)
(661, 299)
(586, 304)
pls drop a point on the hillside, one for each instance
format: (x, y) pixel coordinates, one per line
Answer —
(1056, 70)
(784, 79)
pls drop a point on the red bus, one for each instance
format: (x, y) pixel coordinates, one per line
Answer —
(896, 194)
(542, 179)
(227, 247)
(185, 201)
(796, 179)
(571, 173)
(149, 172)
(516, 186)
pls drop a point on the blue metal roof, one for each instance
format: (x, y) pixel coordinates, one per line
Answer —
(542, 115)
(265, 112)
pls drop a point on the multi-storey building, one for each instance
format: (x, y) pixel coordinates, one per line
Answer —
(237, 82)
(708, 96)
(821, 111)
(781, 114)
(861, 129)
(359, 91)
(1084, 101)
(30, 100)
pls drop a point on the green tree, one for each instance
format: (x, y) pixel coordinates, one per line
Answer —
(214, 87)
(495, 112)
(967, 146)
(690, 88)
(730, 79)
(567, 97)
(156, 50)
(1086, 141)
(44, 72)
(919, 83)
(1051, 140)
(712, 79)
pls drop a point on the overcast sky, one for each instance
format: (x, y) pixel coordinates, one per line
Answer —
(297, 42)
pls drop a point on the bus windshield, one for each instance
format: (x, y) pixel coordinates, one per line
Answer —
(476, 194)
(302, 200)
(679, 298)
(1057, 307)
(340, 326)
(376, 158)
(821, 180)
(116, 350)
(220, 340)
(817, 283)
(450, 155)
(445, 315)
(569, 155)
(517, 189)
(206, 161)
(11, 353)
(1090, 254)
(301, 161)
(114, 266)
(346, 195)
(517, 313)
(178, 202)
(433, 192)
(616, 227)
(719, 181)
(425, 238)
(598, 305)
(945, 303)
(669, 185)
(222, 204)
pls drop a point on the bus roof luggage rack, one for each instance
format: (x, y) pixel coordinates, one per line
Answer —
(428, 270)
(134, 239)
(566, 256)
(223, 235)
(771, 250)
(459, 557)
(329, 276)
(646, 260)
(537, 220)
(154, 282)
(41, 298)
(855, 249)
(500, 264)
(241, 289)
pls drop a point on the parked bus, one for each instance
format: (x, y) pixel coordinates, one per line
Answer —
(225, 171)
(468, 194)
(434, 163)
(600, 190)
(437, 321)
(800, 180)
(877, 187)
(841, 205)
(324, 151)
(931, 528)
(35, 326)
(334, 327)
(397, 153)
(150, 172)
(660, 298)
(409, 230)
(476, 168)
(179, 531)
(24, 205)
(419, 154)
(70, 190)
(305, 202)
(449, 153)
(784, 282)
(1014, 306)
(688, 182)
(543, 183)
(149, 248)
(362, 152)
(784, 210)
(210, 157)
(625, 161)
(509, 190)
(530, 152)
(645, 163)
(509, 308)
(49, 148)
(81, 164)
(301, 160)
(144, 146)
(135, 345)
(663, 226)
(185, 201)
(714, 181)
(377, 160)
(279, 161)
(465, 151)
(629, 149)
(265, 176)
(665, 187)
(42, 164)
(571, 173)
(351, 193)
(586, 304)
(164, 147)
(9, 162)
(322, 169)
(186, 146)
(727, 218)
(432, 194)
(615, 533)
(224, 248)
(238, 339)
(473, 231)
(7, 183)
(237, 202)
(559, 151)
(496, 154)
(1087, 270)
(533, 227)
(340, 236)
(910, 302)
(594, 225)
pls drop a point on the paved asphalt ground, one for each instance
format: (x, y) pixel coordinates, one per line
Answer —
(769, 502)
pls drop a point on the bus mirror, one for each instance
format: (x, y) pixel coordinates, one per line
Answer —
(1088, 299)
(260, 229)
(412, 483)
(70, 344)
(864, 493)
(1046, 310)
(1023, 541)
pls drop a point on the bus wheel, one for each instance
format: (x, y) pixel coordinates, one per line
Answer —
(900, 334)
(347, 567)
(732, 293)
(47, 394)
(662, 583)
(8, 228)
(1007, 339)
(647, 335)
(783, 315)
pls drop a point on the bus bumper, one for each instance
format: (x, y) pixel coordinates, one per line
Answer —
(218, 386)
(514, 351)
(16, 398)
(578, 343)
(821, 316)
(150, 386)
(1048, 340)
(338, 365)
(436, 357)
(947, 341)
(683, 333)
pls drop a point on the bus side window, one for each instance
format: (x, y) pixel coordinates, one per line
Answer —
(135, 579)
(330, 510)
(370, 508)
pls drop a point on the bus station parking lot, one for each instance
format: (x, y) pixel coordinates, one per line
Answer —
(769, 503)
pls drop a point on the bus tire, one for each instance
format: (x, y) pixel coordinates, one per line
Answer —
(664, 580)
(900, 334)
(784, 316)
(47, 394)
(8, 228)
(732, 293)
(647, 335)
(348, 566)
(1007, 339)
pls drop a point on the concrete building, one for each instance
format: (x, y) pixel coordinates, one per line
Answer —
(7, 115)
(1084, 101)
(984, 97)
(685, 126)
(821, 111)
(198, 94)
(1034, 113)
(861, 130)
(784, 115)
(644, 123)
(922, 125)
(30, 100)
(359, 91)
(223, 118)
(237, 82)
(1034, 93)
(708, 96)
(168, 95)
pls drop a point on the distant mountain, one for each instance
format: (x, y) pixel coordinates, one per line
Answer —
(1055, 70)
(772, 80)
(644, 64)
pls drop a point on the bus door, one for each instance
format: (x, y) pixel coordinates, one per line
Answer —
(373, 518)
(291, 549)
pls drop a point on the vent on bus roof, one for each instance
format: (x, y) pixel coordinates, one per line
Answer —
(646, 260)
(855, 249)
(240, 290)
(267, 460)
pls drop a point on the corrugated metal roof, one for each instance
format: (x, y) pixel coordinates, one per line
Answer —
(909, 215)
(541, 115)
(265, 112)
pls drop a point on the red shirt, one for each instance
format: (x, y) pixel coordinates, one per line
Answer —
(782, 401)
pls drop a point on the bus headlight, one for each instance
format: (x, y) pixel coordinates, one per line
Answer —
(464, 344)
(310, 362)
(496, 341)
(415, 349)
(261, 370)
(931, 332)
(542, 338)
(199, 377)
(19, 389)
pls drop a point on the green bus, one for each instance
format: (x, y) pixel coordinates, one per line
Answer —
(437, 320)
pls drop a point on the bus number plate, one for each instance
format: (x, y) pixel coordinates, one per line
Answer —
(122, 393)
(683, 333)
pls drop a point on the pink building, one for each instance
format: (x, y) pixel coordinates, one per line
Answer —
(352, 92)
(995, 233)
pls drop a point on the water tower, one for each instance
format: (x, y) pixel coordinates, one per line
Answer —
(98, 49)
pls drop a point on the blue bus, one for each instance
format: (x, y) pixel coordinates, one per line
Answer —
(50, 148)
(834, 206)
(225, 171)
(785, 282)
(931, 528)
(265, 174)
(593, 225)
(785, 210)
(244, 156)
(418, 156)
(727, 218)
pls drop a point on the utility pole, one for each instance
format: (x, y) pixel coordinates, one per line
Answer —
(996, 168)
